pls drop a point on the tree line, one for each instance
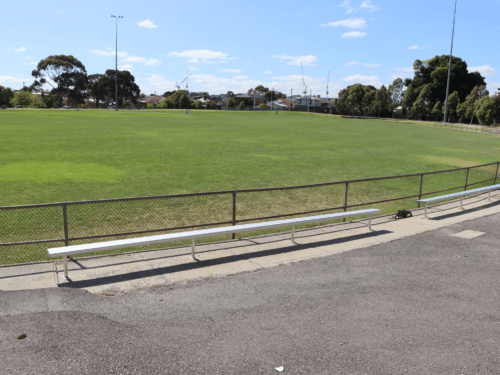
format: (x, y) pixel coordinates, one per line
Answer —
(422, 96)
(68, 78)
(425, 95)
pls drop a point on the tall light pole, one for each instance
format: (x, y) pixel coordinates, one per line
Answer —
(449, 66)
(116, 64)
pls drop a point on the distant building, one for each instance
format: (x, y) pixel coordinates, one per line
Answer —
(277, 105)
(155, 100)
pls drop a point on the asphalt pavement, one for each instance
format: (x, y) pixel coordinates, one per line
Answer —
(425, 304)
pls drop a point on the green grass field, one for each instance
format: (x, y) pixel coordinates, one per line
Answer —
(58, 156)
(54, 156)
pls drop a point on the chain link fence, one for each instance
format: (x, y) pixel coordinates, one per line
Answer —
(27, 231)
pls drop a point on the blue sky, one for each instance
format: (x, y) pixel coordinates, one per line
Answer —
(236, 45)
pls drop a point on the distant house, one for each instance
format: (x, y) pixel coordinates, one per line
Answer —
(307, 101)
(195, 95)
(91, 102)
(326, 102)
(250, 98)
(277, 105)
(155, 100)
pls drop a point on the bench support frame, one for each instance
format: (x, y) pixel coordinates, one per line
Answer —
(469, 192)
(236, 229)
(65, 261)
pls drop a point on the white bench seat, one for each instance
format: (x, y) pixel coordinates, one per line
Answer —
(66, 251)
(460, 195)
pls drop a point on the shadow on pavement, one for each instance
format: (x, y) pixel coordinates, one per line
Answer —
(465, 211)
(207, 263)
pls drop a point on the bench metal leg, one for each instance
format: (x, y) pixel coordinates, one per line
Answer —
(192, 249)
(461, 198)
(489, 195)
(65, 261)
(370, 221)
(293, 233)
(425, 210)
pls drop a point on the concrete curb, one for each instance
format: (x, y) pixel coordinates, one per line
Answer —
(124, 272)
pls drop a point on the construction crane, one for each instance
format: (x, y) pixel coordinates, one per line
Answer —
(184, 80)
(327, 82)
(303, 83)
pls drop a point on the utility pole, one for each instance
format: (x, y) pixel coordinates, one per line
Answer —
(449, 66)
(116, 64)
(309, 101)
(290, 106)
(272, 99)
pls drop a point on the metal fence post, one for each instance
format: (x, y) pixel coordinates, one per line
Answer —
(420, 191)
(65, 217)
(496, 174)
(466, 179)
(66, 237)
(234, 212)
(345, 201)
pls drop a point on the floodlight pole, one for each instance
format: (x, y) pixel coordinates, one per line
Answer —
(449, 66)
(116, 64)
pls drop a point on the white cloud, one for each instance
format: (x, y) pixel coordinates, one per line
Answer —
(368, 5)
(108, 53)
(367, 65)
(268, 72)
(317, 85)
(193, 68)
(354, 34)
(31, 63)
(401, 72)
(152, 62)
(134, 59)
(230, 71)
(353, 23)
(347, 6)
(28, 57)
(493, 87)
(415, 46)
(238, 84)
(409, 69)
(22, 49)
(12, 79)
(204, 55)
(393, 76)
(365, 5)
(159, 84)
(485, 71)
(305, 60)
(358, 78)
(127, 67)
(147, 23)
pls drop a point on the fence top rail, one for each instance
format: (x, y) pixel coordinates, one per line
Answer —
(235, 191)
